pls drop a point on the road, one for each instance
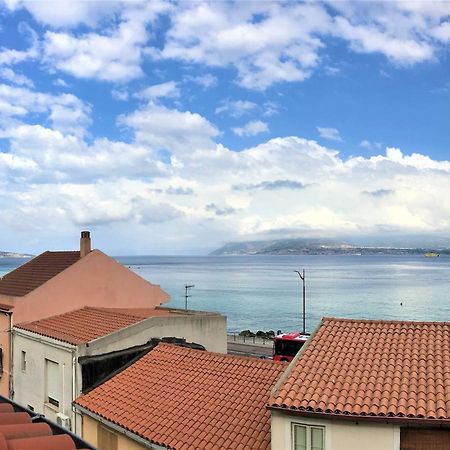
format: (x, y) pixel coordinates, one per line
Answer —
(249, 350)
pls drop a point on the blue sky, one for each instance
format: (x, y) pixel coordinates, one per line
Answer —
(169, 127)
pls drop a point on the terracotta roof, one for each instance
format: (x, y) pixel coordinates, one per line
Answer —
(190, 399)
(36, 272)
(21, 429)
(88, 323)
(371, 369)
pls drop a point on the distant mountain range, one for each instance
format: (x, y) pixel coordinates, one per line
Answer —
(14, 255)
(324, 246)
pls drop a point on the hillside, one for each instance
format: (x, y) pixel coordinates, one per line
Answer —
(324, 246)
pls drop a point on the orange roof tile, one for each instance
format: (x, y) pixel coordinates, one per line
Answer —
(23, 429)
(190, 399)
(89, 323)
(36, 272)
(371, 368)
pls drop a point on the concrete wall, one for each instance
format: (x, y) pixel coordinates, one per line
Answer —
(30, 385)
(95, 280)
(339, 435)
(207, 329)
(89, 434)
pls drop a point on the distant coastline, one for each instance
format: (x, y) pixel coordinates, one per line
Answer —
(14, 255)
(318, 247)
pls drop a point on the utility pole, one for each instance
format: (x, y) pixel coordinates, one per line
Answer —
(302, 277)
(186, 295)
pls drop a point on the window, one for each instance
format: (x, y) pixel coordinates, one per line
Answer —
(23, 361)
(52, 382)
(106, 439)
(307, 437)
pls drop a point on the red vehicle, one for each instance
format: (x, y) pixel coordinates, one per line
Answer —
(287, 345)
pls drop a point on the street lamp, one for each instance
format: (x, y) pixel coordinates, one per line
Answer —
(302, 277)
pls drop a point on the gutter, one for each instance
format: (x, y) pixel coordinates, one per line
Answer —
(391, 420)
(140, 440)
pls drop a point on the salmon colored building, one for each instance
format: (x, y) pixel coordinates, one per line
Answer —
(57, 282)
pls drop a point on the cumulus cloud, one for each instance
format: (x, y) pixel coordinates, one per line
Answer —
(168, 89)
(66, 111)
(115, 55)
(252, 128)
(15, 78)
(332, 134)
(236, 108)
(165, 128)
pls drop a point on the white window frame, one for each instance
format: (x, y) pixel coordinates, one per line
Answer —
(49, 397)
(309, 428)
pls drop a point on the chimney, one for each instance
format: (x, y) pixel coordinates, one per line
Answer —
(85, 243)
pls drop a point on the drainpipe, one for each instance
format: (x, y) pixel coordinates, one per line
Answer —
(74, 391)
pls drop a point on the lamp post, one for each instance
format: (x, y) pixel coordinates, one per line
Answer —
(302, 277)
(186, 296)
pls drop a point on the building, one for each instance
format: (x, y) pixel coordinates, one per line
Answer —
(58, 282)
(51, 355)
(366, 384)
(187, 399)
(22, 429)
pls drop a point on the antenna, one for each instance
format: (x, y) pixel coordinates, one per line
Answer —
(186, 295)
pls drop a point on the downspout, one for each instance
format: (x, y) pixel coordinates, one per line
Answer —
(74, 390)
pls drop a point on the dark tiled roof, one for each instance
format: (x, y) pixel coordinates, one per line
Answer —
(36, 272)
(372, 369)
(86, 324)
(190, 399)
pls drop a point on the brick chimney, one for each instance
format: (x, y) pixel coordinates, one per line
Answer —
(85, 243)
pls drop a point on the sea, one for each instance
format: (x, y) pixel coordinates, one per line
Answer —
(264, 292)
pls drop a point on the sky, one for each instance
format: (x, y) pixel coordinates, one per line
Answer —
(175, 127)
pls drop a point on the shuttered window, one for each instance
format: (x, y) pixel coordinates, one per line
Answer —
(106, 439)
(53, 382)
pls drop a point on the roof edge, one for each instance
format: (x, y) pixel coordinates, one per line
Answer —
(383, 321)
(441, 423)
(287, 373)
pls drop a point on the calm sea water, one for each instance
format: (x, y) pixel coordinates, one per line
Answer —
(263, 292)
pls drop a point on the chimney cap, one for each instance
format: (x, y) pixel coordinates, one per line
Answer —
(85, 234)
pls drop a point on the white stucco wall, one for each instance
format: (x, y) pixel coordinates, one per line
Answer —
(339, 434)
(30, 385)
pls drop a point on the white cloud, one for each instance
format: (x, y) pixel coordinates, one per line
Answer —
(279, 46)
(236, 108)
(9, 56)
(66, 112)
(115, 55)
(252, 128)
(370, 145)
(16, 78)
(168, 89)
(67, 13)
(331, 134)
(207, 80)
(165, 128)
(120, 94)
